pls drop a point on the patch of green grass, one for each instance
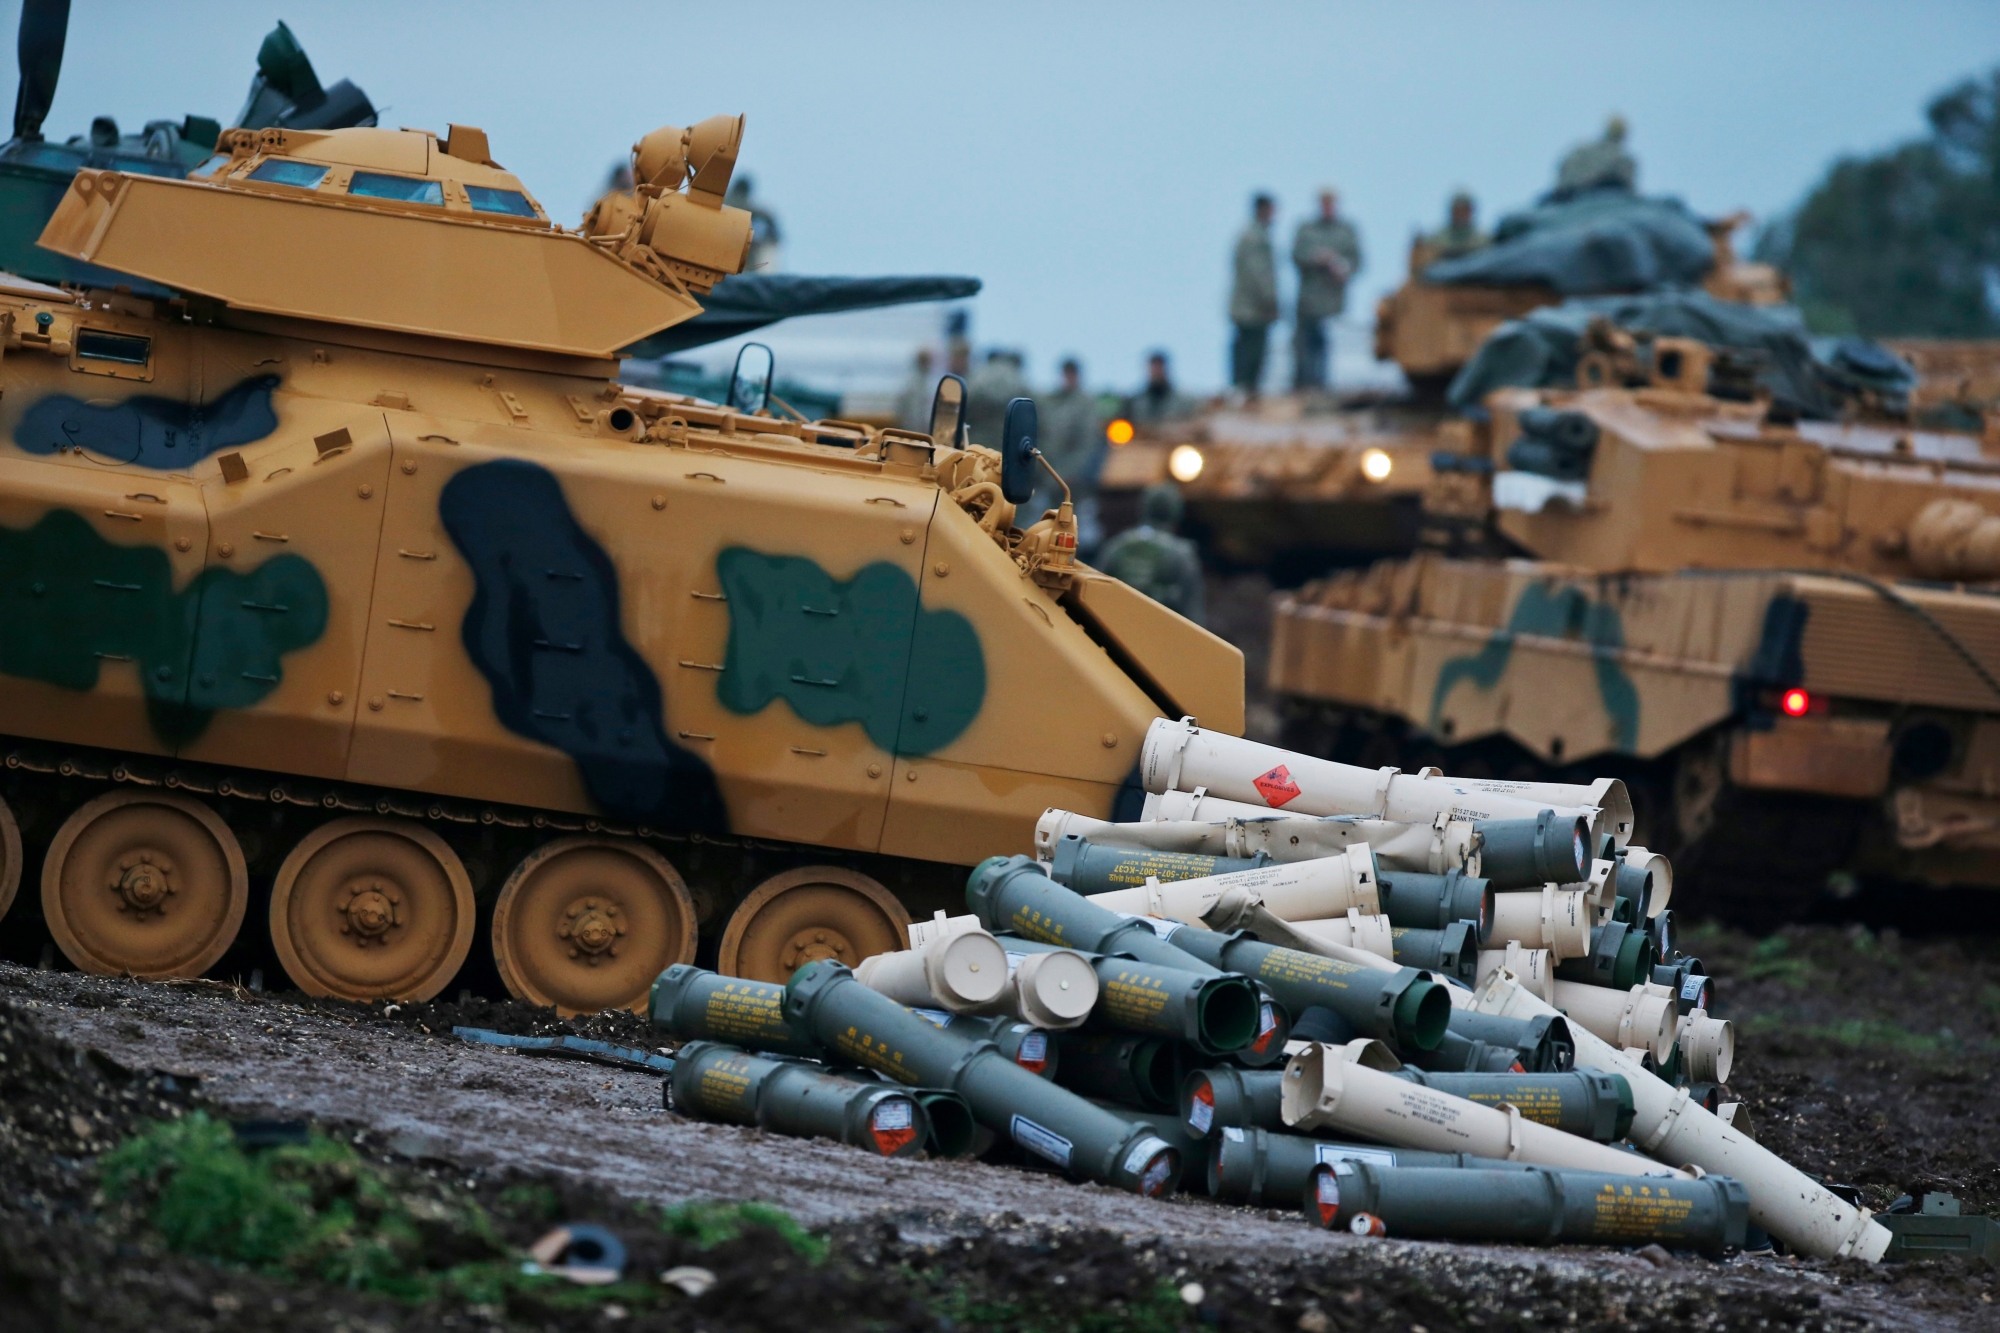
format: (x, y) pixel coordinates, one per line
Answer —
(1773, 960)
(534, 1201)
(710, 1222)
(319, 1210)
(1860, 1034)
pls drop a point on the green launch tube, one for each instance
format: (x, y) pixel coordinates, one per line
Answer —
(1539, 1206)
(1260, 1166)
(1088, 869)
(1432, 902)
(1144, 1072)
(1403, 1007)
(1528, 853)
(1620, 957)
(1013, 895)
(1543, 1044)
(1588, 1103)
(1023, 1043)
(1220, 1097)
(1193, 1148)
(854, 1023)
(717, 1082)
(952, 1128)
(1454, 950)
(1215, 1012)
(694, 1004)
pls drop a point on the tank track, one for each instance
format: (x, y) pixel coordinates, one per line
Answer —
(45, 782)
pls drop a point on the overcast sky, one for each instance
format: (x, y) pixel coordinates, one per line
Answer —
(1089, 160)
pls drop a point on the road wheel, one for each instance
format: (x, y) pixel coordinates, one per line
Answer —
(372, 909)
(10, 856)
(143, 882)
(812, 912)
(589, 923)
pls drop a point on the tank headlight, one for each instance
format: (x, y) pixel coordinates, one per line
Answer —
(1119, 433)
(1376, 465)
(1184, 462)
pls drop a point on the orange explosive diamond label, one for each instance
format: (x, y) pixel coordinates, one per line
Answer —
(1276, 787)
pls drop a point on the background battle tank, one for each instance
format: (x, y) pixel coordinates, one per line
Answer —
(346, 591)
(1782, 633)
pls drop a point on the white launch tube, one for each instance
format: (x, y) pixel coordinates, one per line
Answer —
(1669, 1125)
(1210, 827)
(1057, 989)
(1356, 930)
(1546, 918)
(1640, 858)
(1534, 968)
(958, 973)
(1645, 1016)
(1179, 756)
(1606, 794)
(1326, 886)
(1326, 1088)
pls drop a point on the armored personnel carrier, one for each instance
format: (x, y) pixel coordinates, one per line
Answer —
(1783, 634)
(355, 612)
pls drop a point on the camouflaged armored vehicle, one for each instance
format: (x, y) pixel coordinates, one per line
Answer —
(1784, 635)
(351, 604)
(1272, 486)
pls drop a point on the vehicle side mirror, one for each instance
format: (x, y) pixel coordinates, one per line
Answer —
(750, 382)
(948, 413)
(1019, 450)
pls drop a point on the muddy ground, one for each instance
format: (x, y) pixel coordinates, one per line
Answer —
(1865, 1057)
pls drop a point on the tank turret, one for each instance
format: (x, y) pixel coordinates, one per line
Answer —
(409, 233)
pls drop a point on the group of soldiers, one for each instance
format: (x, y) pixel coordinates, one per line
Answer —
(1326, 250)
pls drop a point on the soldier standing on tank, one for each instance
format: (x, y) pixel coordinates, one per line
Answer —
(1253, 297)
(1158, 400)
(1073, 442)
(1153, 558)
(988, 390)
(1600, 164)
(1328, 254)
(1460, 234)
(913, 404)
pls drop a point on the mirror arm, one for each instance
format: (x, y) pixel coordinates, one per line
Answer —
(798, 415)
(1044, 460)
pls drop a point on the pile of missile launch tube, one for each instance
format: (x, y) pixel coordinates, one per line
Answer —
(1402, 1004)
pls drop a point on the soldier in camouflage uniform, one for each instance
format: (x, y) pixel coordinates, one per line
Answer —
(1328, 254)
(1153, 558)
(988, 390)
(1601, 164)
(1460, 234)
(1253, 297)
(1073, 442)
